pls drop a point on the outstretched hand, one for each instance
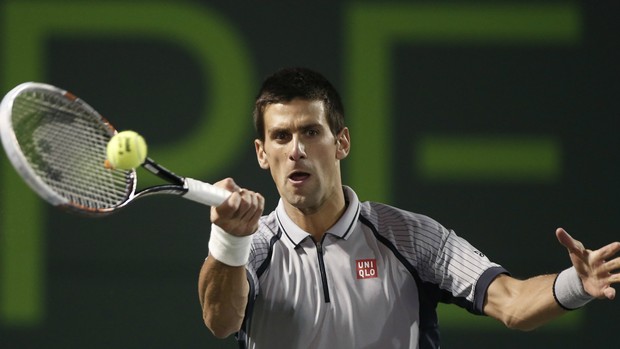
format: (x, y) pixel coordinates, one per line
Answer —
(595, 268)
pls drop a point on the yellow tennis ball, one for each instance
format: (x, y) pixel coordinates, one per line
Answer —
(126, 150)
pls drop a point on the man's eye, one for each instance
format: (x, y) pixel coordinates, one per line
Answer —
(280, 135)
(312, 132)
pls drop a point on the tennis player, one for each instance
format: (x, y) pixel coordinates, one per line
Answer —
(324, 270)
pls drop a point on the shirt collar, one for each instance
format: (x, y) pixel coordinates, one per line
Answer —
(342, 229)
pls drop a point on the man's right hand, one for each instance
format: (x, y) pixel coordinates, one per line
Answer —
(239, 214)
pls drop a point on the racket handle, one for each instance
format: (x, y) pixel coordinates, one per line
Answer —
(204, 193)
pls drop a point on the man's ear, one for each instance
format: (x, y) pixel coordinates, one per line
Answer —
(261, 156)
(344, 144)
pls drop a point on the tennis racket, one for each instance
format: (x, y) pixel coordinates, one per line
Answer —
(57, 144)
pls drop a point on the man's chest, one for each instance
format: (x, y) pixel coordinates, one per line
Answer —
(337, 281)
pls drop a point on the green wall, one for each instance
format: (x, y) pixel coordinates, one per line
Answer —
(496, 118)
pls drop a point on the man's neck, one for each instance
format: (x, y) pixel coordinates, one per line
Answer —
(317, 221)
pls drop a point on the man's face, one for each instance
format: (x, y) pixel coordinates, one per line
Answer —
(302, 153)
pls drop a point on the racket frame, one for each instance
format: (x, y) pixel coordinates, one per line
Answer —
(188, 188)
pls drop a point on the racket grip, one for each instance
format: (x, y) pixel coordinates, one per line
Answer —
(204, 193)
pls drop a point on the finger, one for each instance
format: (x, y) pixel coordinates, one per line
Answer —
(251, 216)
(260, 205)
(261, 202)
(226, 210)
(610, 293)
(239, 204)
(231, 205)
(614, 279)
(613, 264)
(573, 246)
(248, 205)
(253, 220)
(608, 251)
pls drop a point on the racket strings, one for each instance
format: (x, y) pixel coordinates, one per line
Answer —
(65, 142)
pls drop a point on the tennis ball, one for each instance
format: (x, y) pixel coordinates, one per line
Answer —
(126, 150)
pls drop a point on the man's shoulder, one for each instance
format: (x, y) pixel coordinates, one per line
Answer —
(263, 239)
(267, 227)
(383, 216)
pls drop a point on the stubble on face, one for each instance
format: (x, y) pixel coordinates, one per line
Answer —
(300, 151)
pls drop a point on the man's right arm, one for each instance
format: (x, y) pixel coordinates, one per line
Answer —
(223, 291)
(222, 284)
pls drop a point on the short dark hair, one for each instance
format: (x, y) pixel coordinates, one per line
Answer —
(290, 83)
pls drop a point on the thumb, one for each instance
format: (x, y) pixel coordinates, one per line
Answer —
(228, 184)
(567, 241)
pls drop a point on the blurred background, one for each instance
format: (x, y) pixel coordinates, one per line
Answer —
(497, 118)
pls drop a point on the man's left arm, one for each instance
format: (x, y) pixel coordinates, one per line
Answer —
(528, 304)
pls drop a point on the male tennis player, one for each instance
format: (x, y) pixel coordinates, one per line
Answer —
(324, 270)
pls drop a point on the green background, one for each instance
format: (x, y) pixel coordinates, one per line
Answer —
(499, 119)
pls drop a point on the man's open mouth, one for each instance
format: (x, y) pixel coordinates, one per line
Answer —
(298, 176)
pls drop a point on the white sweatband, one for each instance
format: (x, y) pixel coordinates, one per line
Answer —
(568, 290)
(229, 249)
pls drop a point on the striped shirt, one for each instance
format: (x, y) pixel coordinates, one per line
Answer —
(373, 281)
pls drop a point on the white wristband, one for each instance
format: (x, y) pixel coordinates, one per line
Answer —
(568, 290)
(229, 249)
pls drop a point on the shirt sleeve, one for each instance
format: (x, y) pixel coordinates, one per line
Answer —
(447, 264)
(463, 271)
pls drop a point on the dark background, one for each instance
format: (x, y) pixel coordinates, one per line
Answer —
(130, 280)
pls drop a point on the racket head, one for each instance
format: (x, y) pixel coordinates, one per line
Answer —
(57, 143)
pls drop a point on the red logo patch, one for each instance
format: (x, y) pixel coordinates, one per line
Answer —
(366, 268)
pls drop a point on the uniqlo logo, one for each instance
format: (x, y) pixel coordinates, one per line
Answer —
(366, 268)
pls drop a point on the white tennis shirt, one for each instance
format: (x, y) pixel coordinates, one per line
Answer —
(373, 281)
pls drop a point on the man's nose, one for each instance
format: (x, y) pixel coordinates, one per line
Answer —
(298, 151)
